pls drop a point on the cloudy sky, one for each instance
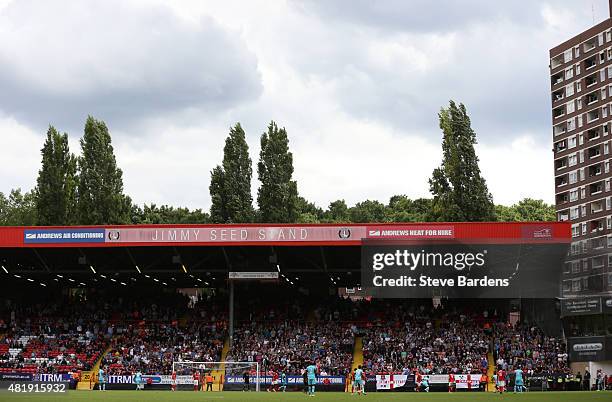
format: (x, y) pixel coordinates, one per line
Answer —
(357, 84)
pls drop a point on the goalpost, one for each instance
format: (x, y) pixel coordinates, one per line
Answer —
(236, 370)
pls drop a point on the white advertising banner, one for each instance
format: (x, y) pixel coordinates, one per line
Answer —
(461, 381)
(390, 381)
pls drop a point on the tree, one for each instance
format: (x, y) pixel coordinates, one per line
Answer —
(459, 191)
(18, 209)
(526, 210)
(308, 212)
(230, 184)
(337, 212)
(100, 186)
(368, 211)
(403, 209)
(218, 213)
(56, 183)
(152, 214)
(277, 196)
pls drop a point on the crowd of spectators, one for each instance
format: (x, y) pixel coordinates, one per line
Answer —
(291, 345)
(528, 347)
(151, 348)
(52, 337)
(147, 334)
(435, 342)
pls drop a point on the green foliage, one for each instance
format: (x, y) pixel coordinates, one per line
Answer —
(230, 184)
(308, 212)
(56, 184)
(337, 212)
(526, 210)
(403, 209)
(18, 209)
(368, 211)
(218, 212)
(100, 187)
(152, 214)
(459, 192)
(277, 196)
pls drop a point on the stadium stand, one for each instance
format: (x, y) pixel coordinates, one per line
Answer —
(147, 334)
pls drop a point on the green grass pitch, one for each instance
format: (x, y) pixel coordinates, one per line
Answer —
(184, 396)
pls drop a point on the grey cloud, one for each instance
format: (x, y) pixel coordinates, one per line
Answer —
(422, 15)
(499, 65)
(60, 61)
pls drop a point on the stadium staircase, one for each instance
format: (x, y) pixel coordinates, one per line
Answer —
(219, 374)
(88, 378)
(490, 372)
(357, 360)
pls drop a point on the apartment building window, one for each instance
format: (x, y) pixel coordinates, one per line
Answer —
(609, 241)
(581, 174)
(576, 285)
(575, 231)
(609, 70)
(606, 148)
(600, 39)
(571, 107)
(604, 111)
(583, 210)
(602, 57)
(581, 156)
(574, 213)
(591, 116)
(610, 279)
(575, 267)
(572, 160)
(608, 37)
(567, 268)
(607, 184)
(579, 121)
(567, 55)
(571, 142)
(578, 69)
(579, 104)
(573, 177)
(573, 195)
(609, 222)
(606, 166)
(602, 75)
(578, 87)
(583, 192)
(605, 129)
(603, 93)
(581, 138)
(583, 227)
(567, 286)
(569, 73)
(608, 203)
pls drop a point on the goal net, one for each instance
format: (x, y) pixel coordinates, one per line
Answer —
(234, 375)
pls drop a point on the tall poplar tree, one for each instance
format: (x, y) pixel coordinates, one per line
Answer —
(56, 183)
(230, 183)
(277, 196)
(100, 186)
(459, 191)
